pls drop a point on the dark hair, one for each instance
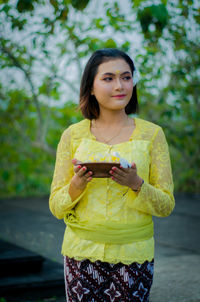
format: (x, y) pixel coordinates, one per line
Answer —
(88, 103)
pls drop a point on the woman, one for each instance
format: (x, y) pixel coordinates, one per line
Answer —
(108, 245)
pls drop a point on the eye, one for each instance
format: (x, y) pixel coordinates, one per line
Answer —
(107, 79)
(127, 78)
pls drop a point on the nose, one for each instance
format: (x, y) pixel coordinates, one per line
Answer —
(118, 84)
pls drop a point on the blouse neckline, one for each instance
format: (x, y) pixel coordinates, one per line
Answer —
(93, 137)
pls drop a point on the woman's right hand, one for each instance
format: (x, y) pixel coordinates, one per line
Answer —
(81, 177)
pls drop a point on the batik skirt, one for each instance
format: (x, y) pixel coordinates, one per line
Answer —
(98, 281)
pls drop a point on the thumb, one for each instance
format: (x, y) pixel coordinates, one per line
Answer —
(76, 161)
(133, 165)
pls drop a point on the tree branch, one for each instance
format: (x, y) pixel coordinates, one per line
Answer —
(70, 85)
(35, 98)
(37, 144)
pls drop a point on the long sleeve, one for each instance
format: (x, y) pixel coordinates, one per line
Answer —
(156, 197)
(104, 201)
(60, 201)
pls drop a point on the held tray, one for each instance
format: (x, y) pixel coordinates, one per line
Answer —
(100, 169)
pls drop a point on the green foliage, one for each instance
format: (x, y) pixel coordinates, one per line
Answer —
(170, 94)
(27, 166)
(25, 5)
(156, 15)
(80, 5)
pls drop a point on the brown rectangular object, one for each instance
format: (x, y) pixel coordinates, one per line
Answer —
(100, 169)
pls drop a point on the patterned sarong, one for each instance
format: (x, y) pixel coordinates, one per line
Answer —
(98, 281)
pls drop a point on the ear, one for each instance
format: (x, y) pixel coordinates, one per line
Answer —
(92, 93)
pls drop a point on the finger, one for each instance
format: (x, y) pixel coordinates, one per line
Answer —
(89, 179)
(77, 168)
(116, 180)
(123, 169)
(76, 161)
(117, 171)
(82, 171)
(133, 165)
(88, 174)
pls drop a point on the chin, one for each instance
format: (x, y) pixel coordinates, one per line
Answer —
(120, 105)
(118, 108)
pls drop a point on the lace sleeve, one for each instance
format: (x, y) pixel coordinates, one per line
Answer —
(156, 197)
(60, 201)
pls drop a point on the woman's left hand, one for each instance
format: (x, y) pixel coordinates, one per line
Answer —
(127, 176)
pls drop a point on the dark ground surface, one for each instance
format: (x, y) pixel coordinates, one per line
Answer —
(28, 223)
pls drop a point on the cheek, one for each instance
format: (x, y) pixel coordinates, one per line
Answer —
(129, 87)
(101, 88)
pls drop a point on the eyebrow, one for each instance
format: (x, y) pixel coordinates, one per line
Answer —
(110, 73)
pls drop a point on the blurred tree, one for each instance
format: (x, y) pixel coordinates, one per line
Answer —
(170, 93)
(43, 47)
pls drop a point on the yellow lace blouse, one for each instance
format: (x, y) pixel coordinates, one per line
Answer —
(104, 199)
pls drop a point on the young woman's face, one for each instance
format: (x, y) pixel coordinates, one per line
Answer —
(113, 85)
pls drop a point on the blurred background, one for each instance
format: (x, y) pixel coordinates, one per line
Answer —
(44, 46)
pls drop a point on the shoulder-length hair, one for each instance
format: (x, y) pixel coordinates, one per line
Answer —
(88, 103)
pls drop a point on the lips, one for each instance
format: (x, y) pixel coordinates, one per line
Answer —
(119, 96)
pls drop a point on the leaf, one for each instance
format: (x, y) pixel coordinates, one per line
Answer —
(55, 4)
(137, 3)
(6, 8)
(5, 175)
(63, 14)
(19, 187)
(99, 23)
(125, 46)
(160, 13)
(164, 2)
(110, 43)
(25, 5)
(80, 5)
(154, 14)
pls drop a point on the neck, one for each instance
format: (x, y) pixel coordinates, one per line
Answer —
(113, 118)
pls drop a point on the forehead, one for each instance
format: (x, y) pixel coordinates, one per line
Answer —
(113, 66)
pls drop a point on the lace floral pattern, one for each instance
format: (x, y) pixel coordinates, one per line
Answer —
(104, 199)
